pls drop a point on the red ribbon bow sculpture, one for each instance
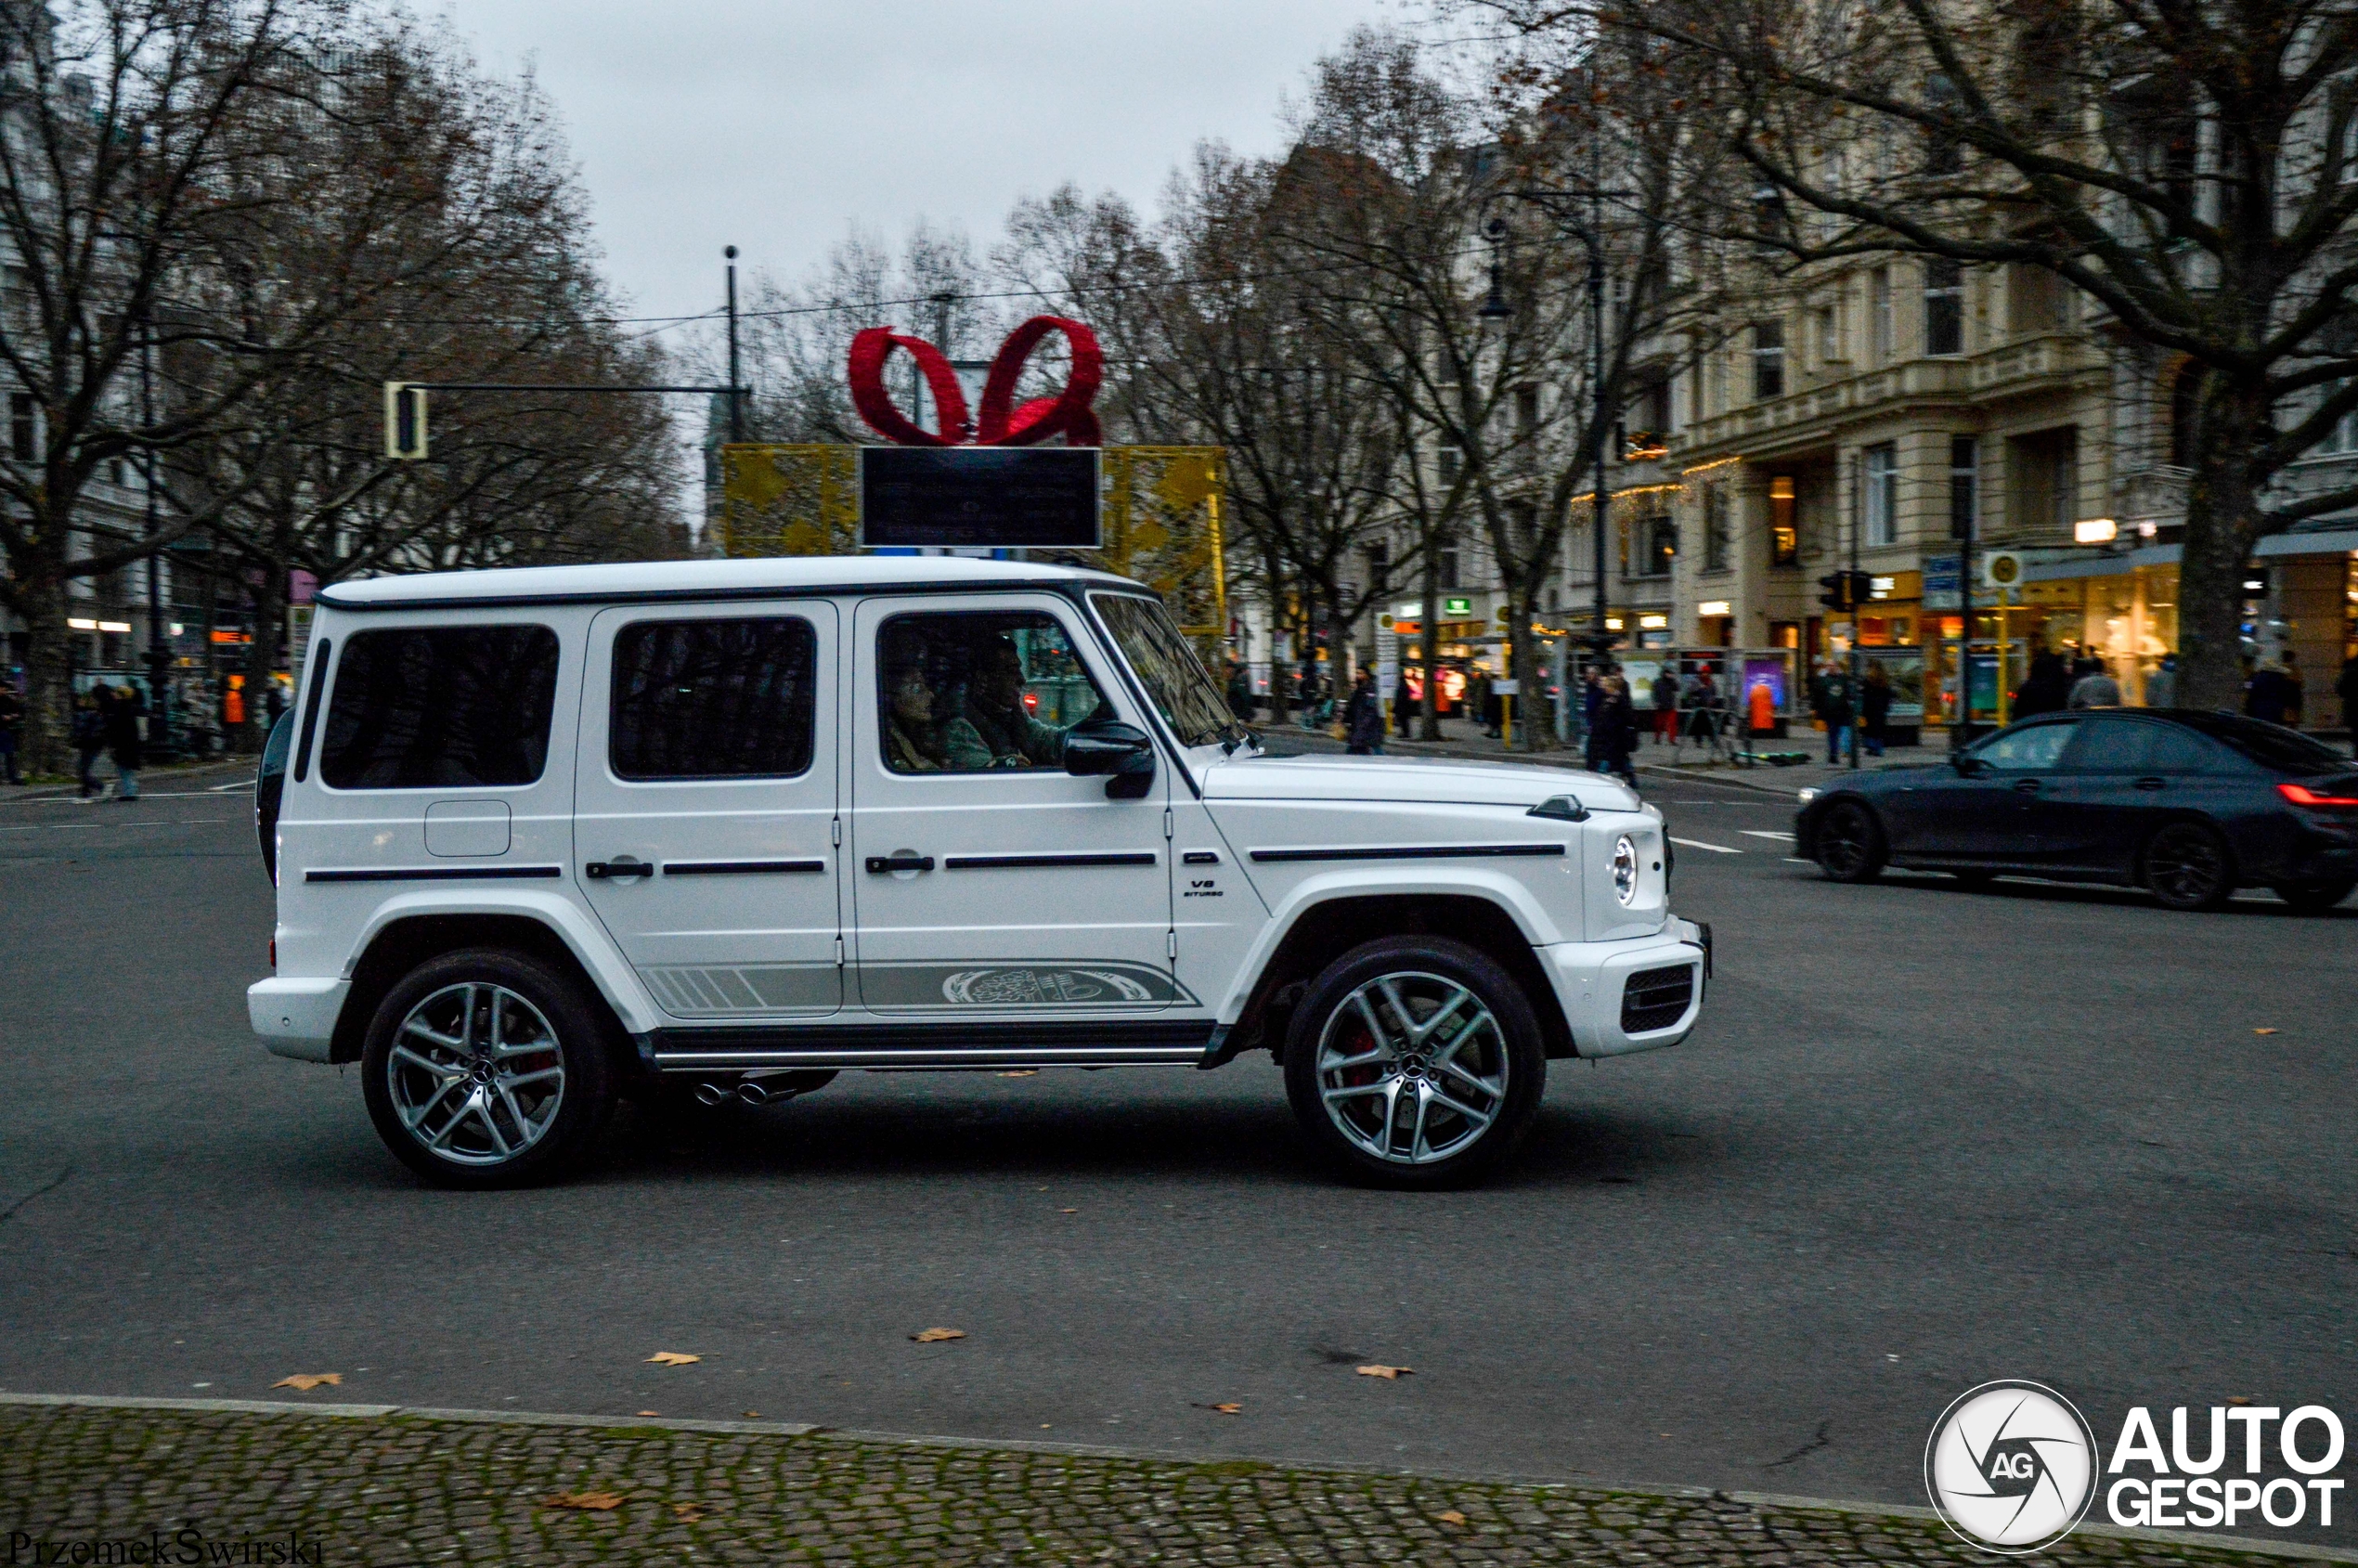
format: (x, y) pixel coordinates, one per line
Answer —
(1068, 411)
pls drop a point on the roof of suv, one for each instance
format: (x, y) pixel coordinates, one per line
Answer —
(638, 581)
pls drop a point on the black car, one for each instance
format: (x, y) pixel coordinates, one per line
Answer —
(2190, 806)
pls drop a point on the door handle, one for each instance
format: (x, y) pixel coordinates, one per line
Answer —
(881, 863)
(2027, 786)
(625, 867)
(2152, 783)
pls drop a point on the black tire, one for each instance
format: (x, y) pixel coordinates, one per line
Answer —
(409, 1075)
(1433, 978)
(2187, 865)
(1849, 843)
(2315, 898)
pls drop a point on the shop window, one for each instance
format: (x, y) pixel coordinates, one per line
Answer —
(1879, 485)
(1944, 306)
(1784, 521)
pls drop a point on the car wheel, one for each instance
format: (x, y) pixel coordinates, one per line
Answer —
(486, 1068)
(2315, 898)
(2188, 867)
(1415, 1062)
(1849, 843)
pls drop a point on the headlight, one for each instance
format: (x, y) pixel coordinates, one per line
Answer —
(1624, 870)
(1807, 795)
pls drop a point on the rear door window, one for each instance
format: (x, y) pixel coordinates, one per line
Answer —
(441, 707)
(714, 699)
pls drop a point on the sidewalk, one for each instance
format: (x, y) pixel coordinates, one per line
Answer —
(361, 1484)
(173, 777)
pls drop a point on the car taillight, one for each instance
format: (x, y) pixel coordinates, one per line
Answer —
(2301, 794)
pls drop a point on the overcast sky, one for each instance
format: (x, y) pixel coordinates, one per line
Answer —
(703, 122)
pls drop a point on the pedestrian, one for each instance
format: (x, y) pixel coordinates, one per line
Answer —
(1874, 706)
(1705, 709)
(2347, 688)
(1485, 703)
(2046, 688)
(2299, 706)
(2161, 686)
(1592, 695)
(1830, 700)
(1665, 699)
(89, 739)
(2270, 695)
(2095, 687)
(11, 720)
(1363, 718)
(1240, 692)
(123, 742)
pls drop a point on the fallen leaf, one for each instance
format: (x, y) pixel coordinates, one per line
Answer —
(304, 1382)
(1022, 1073)
(687, 1514)
(935, 1336)
(673, 1358)
(2263, 1032)
(1450, 1516)
(2238, 1399)
(753, 1415)
(1068, 1210)
(1393, 1373)
(596, 1502)
(1229, 1410)
(646, 1412)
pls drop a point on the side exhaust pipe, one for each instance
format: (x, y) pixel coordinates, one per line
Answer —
(711, 1093)
(754, 1093)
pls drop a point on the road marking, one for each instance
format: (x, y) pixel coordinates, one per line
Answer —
(1699, 843)
(1797, 859)
(1764, 833)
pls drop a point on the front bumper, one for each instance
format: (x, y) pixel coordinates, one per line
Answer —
(1590, 978)
(296, 1018)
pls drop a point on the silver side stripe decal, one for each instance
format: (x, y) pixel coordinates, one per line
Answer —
(433, 873)
(1409, 852)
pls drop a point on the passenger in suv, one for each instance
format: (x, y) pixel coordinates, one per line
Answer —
(544, 838)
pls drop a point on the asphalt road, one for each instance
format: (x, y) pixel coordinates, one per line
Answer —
(1924, 1137)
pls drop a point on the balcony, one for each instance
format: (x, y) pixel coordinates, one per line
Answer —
(2049, 362)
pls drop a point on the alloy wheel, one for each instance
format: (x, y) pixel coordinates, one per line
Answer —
(1846, 843)
(1412, 1068)
(476, 1074)
(2186, 867)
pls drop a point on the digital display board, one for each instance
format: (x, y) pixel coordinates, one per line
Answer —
(978, 497)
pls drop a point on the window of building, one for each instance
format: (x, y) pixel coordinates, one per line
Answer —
(1964, 486)
(1944, 153)
(1718, 536)
(1879, 319)
(1767, 361)
(1784, 521)
(2044, 481)
(1829, 329)
(441, 707)
(973, 693)
(1879, 485)
(2034, 301)
(1446, 563)
(713, 699)
(1944, 306)
(1526, 409)
(2185, 418)
(1449, 461)
(1662, 546)
(21, 431)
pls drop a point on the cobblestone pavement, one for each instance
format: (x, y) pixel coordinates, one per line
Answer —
(389, 1490)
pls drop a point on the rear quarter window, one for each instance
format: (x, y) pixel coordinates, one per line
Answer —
(441, 707)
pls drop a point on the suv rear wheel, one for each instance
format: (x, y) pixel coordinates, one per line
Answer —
(1415, 1062)
(486, 1068)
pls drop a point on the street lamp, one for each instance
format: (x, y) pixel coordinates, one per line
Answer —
(1496, 308)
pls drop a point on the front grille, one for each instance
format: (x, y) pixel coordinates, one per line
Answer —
(1656, 998)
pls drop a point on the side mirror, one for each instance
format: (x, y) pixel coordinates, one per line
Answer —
(1121, 754)
(1968, 767)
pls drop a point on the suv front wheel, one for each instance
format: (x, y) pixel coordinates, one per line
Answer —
(486, 1068)
(1415, 1062)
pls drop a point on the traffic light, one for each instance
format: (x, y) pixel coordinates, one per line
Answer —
(1845, 590)
(404, 422)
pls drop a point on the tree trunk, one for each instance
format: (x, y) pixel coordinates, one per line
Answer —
(261, 658)
(1429, 644)
(1532, 733)
(48, 679)
(2223, 523)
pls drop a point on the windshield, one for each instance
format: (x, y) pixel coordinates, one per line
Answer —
(1168, 667)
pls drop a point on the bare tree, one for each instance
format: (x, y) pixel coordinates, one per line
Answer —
(2188, 168)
